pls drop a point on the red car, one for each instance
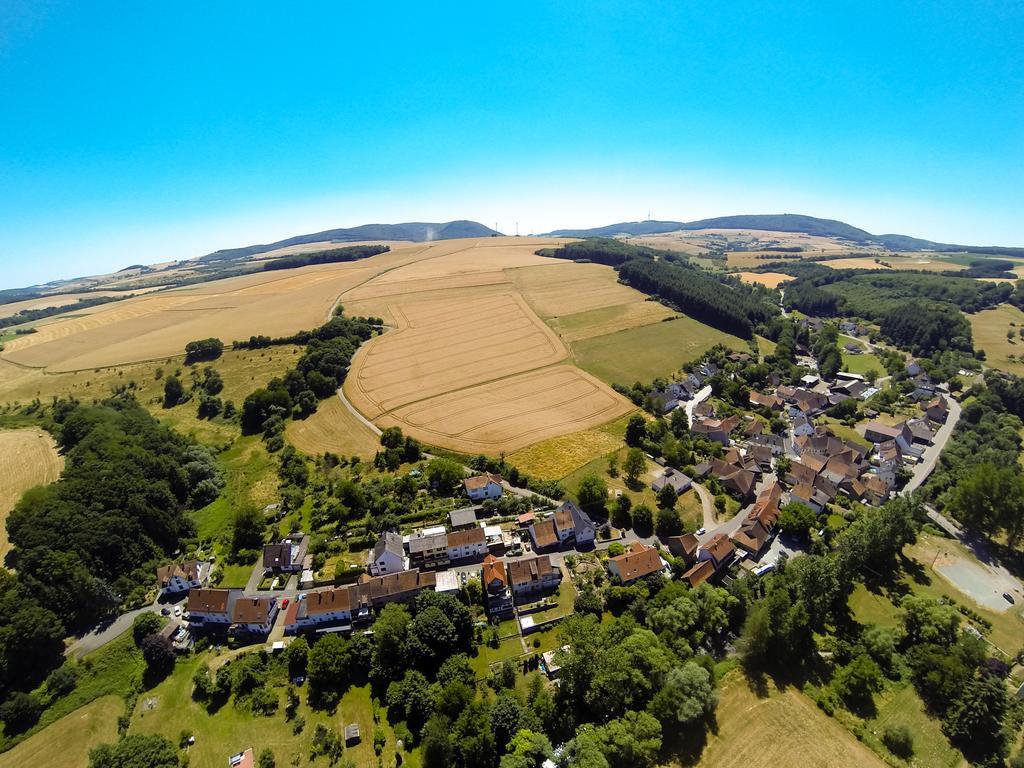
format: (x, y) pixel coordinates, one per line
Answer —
(284, 603)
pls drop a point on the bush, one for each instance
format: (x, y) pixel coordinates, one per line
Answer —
(899, 740)
(264, 701)
(20, 712)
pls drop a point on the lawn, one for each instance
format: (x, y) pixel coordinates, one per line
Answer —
(691, 510)
(508, 648)
(234, 575)
(66, 743)
(989, 329)
(645, 353)
(642, 495)
(901, 705)
(844, 432)
(862, 363)
(232, 729)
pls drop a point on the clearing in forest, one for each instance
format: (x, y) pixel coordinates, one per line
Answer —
(28, 457)
(997, 331)
(767, 279)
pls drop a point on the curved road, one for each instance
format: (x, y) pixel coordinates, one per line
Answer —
(931, 453)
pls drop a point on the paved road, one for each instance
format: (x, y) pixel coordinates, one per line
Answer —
(707, 502)
(105, 632)
(931, 453)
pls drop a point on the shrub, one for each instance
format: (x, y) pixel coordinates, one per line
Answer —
(899, 740)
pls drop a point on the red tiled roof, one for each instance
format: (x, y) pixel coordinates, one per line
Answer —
(638, 562)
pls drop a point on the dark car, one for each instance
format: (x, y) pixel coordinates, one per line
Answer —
(165, 611)
(1008, 597)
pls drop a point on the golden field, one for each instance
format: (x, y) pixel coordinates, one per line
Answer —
(767, 279)
(66, 743)
(28, 457)
(990, 327)
(470, 364)
(332, 429)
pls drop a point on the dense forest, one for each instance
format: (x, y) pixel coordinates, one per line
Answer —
(329, 256)
(720, 301)
(88, 542)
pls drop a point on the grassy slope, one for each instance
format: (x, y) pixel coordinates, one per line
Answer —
(66, 743)
(650, 351)
(989, 329)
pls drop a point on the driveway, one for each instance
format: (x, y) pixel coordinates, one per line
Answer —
(931, 453)
(707, 503)
(105, 632)
(703, 394)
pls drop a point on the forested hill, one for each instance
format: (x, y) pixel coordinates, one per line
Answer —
(782, 222)
(413, 231)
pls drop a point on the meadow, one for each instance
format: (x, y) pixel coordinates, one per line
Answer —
(28, 457)
(783, 729)
(645, 353)
(990, 327)
(66, 743)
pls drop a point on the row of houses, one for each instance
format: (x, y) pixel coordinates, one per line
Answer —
(684, 390)
(569, 526)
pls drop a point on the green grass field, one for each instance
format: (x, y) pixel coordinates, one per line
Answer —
(645, 353)
(232, 729)
(862, 364)
(251, 479)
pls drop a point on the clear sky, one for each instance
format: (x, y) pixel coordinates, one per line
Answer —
(142, 132)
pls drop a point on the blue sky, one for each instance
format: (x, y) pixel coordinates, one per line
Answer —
(143, 132)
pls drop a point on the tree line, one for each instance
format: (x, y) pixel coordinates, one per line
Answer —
(29, 315)
(329, 256)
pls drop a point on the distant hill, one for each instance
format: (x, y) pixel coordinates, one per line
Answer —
(783, 222)
(416, 232)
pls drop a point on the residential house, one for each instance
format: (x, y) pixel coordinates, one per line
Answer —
(387, 555)
(467, 544)
(937, 409)
(287, 555)
(762, 454)
(242, 760)
(712, 429)
(481, 487)
(533, 576)
(758, 526)
(462, 518)
(176, 578)
(712, 558)
(253, 615)
(428, 549)
(638, 561)
(321, 607)
(684, 547)
(679, 482)
(400, 587)
(877, 432)
(776, 443)
(772, 402)
(921, 431)
(543, 535)
(754, 427)
(571, 526)
(876, 489)
(211, 607)
(497, 594)
(802, 426)
(739, 480)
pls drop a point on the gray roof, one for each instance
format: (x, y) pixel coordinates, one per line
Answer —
(464, 516)
(423, 543)
(391, 542)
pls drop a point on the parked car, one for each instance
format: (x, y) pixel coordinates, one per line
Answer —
(165, 611)
(284, 603)
(177, 610)
(701, 531)
(1008, 597)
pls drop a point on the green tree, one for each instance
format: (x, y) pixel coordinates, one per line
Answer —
(444, 476)
(667, 497)
(329, 671)
(174, 392)
(135, 751)
(506, 719)
(856, 681)
(247, 529)
(797, 520)
(635, 465)
(687, 696)
(390, 631)
(19, 712)
(632, 741)
(144, 625)
(643, 518)
(975, 720)
(527, 749)
(928, 621)
(592, 494)
(158, 652)
(636, 430)
(669, 522)
(990, 499)
(410, 699)
(266, 759)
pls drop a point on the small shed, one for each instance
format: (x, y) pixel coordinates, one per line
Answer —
(352, 734)
(462, 518)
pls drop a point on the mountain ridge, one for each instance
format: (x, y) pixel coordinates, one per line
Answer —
(781, 222)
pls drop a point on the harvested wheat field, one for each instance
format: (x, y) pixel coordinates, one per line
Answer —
(28, 457)
(332, 429)
(990, 328)
(762, 732)
(159, 325)
(767, 279)
(59, 300)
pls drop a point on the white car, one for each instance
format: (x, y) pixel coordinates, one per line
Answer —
(701, 531)
(177, 610)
